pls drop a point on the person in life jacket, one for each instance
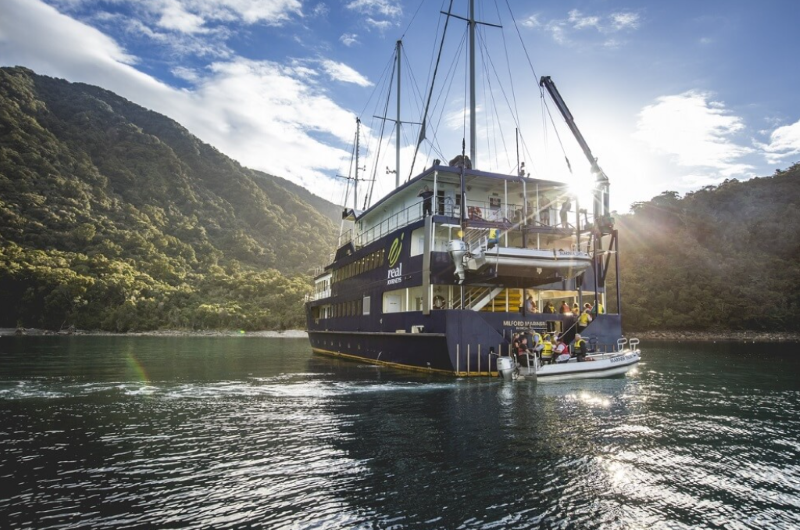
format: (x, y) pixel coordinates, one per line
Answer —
(562, 351)
(598, 308)
(547, 349)
(584, 319)
(494, 237)
(581, 349)
(537, 345)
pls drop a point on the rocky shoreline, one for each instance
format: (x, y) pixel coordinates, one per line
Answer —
(287, 334)
(675, 336)
(716, 336)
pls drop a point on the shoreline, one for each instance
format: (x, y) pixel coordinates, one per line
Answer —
(716, 336)
(650, 335)
(287, 334)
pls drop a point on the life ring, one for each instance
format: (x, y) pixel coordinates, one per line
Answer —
(439, 302)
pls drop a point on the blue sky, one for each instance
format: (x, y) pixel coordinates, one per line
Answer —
(669, 95)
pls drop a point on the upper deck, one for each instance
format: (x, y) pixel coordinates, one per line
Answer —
(522, 208)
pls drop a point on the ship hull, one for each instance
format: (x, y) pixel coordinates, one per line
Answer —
(453, 342)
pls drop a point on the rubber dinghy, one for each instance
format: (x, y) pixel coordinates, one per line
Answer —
(601, 365)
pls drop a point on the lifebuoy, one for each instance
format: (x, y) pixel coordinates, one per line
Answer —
(438, 302)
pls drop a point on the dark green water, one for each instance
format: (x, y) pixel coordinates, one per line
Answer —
(141, 432)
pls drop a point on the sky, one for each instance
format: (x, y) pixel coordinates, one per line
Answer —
(669, 95)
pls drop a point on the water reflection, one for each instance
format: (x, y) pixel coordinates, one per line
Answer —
(242, 432)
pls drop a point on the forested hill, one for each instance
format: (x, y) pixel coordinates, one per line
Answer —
(725, 257)
(116, 217)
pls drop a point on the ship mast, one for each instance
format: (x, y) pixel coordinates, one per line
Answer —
(472, 121)
(355, 180)
(397, 122)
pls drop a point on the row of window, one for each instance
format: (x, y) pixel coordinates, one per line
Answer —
(367, 263)
(349, 309)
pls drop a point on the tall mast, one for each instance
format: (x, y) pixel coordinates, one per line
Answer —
(472, 122)
(397, 122)
(355, 181)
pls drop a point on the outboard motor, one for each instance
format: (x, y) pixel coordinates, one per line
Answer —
(457, 250)
(505, 368)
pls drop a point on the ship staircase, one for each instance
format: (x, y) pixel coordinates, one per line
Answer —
(506, 300)
(489, 299)
(476, 298)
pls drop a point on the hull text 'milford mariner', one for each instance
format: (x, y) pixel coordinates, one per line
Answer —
(441, 273)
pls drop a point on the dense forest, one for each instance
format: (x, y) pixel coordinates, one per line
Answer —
(724, 257)
(114, 217)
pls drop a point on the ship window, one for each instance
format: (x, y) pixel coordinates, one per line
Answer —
(417, 242)
(365, 305)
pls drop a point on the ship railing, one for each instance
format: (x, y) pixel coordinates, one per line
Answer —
(472, 296)
(494, 211)
(319, 295)
(398, 220)
(480, 359)
(345, 237)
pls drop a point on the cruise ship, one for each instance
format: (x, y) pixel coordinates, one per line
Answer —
(435, 275)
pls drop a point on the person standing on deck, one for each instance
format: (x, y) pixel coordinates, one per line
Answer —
(566, 206)
(598, 308)
(550, 308)
(547, 350)
(530, 306)
(584, 319)
(426, 195)
(581, 349)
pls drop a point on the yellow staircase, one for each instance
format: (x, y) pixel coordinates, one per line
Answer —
(498, 304)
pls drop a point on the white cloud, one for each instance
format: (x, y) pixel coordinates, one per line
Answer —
(348, 39)
(381, 7)
(579, 21)
(265, 115)
(567, 31)
(622, 21)
(342, 72)
(320, 10)
(272, 12)
(380, 25)
(186, 74)
(173, 16)
(531, 22)
(696, 132)
(784, 142)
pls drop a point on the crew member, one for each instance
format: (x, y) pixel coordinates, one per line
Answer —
(584, 319)
(547, 349)
(426, 195)
(581, 348)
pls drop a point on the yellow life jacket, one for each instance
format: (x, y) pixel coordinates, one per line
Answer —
(578, 344)
(547, 352)
(583, 320)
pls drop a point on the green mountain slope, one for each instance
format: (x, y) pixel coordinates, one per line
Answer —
(107, 209)
(725, 257)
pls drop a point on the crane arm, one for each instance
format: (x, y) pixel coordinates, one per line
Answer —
(601, 195)
(548, 83)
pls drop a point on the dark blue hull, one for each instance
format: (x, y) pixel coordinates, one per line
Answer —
(453, 342)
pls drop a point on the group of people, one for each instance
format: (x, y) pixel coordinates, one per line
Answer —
(550, 348)
(564, 309)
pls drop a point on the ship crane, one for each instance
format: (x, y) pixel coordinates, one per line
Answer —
(601, 211)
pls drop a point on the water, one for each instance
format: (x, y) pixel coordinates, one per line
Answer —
(195, 432)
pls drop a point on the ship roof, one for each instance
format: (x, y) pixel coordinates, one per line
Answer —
(457, 171)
